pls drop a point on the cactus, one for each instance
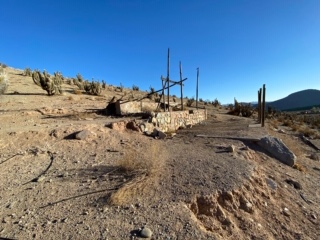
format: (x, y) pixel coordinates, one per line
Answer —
(28, 72)
(135, 88)
(58, 78)
(87, 86)
(46, 82)
(95, 88)
(246, 110)
(80, 78)
(3, 81)
(104, 85)
(190, 102)
(80, 85)
(153, 95)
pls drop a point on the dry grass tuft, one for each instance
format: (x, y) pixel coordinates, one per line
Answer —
(274, 123)
(308, 132)
(144, 168)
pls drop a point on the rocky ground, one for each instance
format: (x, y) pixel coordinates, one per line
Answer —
(58, 182)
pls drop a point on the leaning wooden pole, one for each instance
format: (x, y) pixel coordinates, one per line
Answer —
(181, 87)
(168, 79)
(263, 105)
(197, 88)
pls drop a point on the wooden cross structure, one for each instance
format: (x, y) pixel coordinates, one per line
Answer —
(166, 84)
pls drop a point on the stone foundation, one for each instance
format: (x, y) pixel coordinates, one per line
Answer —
(171, 121)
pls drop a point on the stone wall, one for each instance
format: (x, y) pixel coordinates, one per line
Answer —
(164, 121)
(123, 108)
(171, 121)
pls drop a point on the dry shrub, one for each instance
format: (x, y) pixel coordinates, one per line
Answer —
(308, 132)
(274, 123)
(77, 91)
(300, 167)
(70, 98)
(288, 123)
(295, 127)
(144, 168)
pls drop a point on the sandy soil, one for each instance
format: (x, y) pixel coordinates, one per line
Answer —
(113, 183)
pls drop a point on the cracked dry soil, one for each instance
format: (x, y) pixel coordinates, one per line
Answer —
(54, 186)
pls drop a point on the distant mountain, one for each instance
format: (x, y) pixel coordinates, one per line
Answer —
(299, 100)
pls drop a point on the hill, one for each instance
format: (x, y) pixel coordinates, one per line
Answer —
(298, 100)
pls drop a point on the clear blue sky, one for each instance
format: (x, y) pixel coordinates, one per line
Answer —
(238, 44)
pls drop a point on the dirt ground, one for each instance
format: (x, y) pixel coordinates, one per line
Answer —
(113, 183)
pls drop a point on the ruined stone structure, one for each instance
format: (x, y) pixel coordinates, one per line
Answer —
(171, 121)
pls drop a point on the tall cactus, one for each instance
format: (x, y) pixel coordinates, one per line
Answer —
(51, 85)
(3, 81)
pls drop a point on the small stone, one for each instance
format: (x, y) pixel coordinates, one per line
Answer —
(85, 134)
(161, 135)
(314, 156)
(281, 131)
(294, 183)
(41, 178)
(249, 207)
(11, 205)
(230, 148)
(143, 127)
(146, 233)
(272, 184)
(286, 212)
(105, 209)
(314, 216)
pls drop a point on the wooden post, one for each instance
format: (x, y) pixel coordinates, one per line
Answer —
(163, 87)
(181, 86)
(259, 106)
(263, 105)
(197, 88)
(168, 79)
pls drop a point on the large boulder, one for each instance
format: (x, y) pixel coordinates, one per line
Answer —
(278, 149)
